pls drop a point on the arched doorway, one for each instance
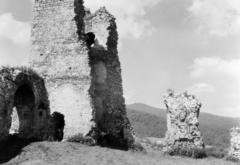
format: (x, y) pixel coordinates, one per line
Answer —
(14, 129)
(24, 94)
(24, 101)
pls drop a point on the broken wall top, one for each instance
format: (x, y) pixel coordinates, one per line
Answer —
(182, 120)
(103, 25)
(182, 101)
(13, 77)
(58, 36)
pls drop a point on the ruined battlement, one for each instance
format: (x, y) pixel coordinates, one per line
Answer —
(75, 54)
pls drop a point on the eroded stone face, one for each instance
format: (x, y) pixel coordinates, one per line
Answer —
(70, 100)
(182, 120)
(76, 54)
(24, 91)
(234, 152)
(79, 86)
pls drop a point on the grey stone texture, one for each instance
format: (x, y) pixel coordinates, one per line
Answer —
(23, 89)
(234, 152)
(79, 80)
(182, 121)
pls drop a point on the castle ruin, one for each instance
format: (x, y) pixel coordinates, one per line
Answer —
(74, 70)
(234, 152)
(182, 123)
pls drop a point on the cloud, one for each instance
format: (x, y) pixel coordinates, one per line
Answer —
(216, 17)
(222, 96)
(11, 54)
(215, 66)
(18, 32)
(200, 88)
(130, 15)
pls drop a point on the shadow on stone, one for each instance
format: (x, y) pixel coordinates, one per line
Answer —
(113, 142)
(12, 147)
(58, 126)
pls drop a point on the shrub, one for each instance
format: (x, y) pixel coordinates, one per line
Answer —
(216, 152)
(137, 146)
(79, 138)
(233, 159)
(196, 153)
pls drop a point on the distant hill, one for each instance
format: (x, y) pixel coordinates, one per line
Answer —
(151, 122)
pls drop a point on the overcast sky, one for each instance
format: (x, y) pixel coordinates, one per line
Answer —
(189, 45)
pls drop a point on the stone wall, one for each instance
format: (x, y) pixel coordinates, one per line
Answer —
(106, 89)
(23, 89)
(60, 55)
(182, 121)
(234, 152)
(83, 81)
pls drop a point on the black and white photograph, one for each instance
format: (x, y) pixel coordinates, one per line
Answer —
(119, 82)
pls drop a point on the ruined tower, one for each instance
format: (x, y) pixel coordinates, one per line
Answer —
(76, 54)
(183, 134)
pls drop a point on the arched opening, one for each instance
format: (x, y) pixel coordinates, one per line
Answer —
(24, 101)
(90, 39)
(14, 123)
(58, 126)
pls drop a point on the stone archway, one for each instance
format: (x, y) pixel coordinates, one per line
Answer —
(24, 89)
(24, 101)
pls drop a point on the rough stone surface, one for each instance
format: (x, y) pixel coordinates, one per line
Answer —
(23, 89)
(60, 56)
(79, 80)
(182, 121)
(234, 152)
(106, 88)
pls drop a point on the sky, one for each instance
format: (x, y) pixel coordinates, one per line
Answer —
(185, 45)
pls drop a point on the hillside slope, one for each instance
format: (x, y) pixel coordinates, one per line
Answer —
(47, 153)
(151, 122)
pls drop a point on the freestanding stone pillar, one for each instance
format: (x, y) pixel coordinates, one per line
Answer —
(182, 123)
(234, 152)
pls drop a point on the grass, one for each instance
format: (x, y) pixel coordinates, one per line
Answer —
(216, 152)
(74, 153)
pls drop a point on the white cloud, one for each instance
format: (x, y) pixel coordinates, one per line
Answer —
(130, 15)
(13, 55)
(222, 97)
(217, 17)
(200, 88)
(18, 32)
(215, 66)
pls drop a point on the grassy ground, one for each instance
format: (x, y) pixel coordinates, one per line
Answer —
(46, 153)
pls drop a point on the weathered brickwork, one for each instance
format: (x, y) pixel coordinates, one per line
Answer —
(234, 152)
(106, 90)
(23, 89)
(62, 59)
(81, 78)
(77, 79)
(182, 122)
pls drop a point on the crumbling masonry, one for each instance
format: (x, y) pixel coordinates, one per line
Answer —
(182, 122)
(76, 73)
(234, 152)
